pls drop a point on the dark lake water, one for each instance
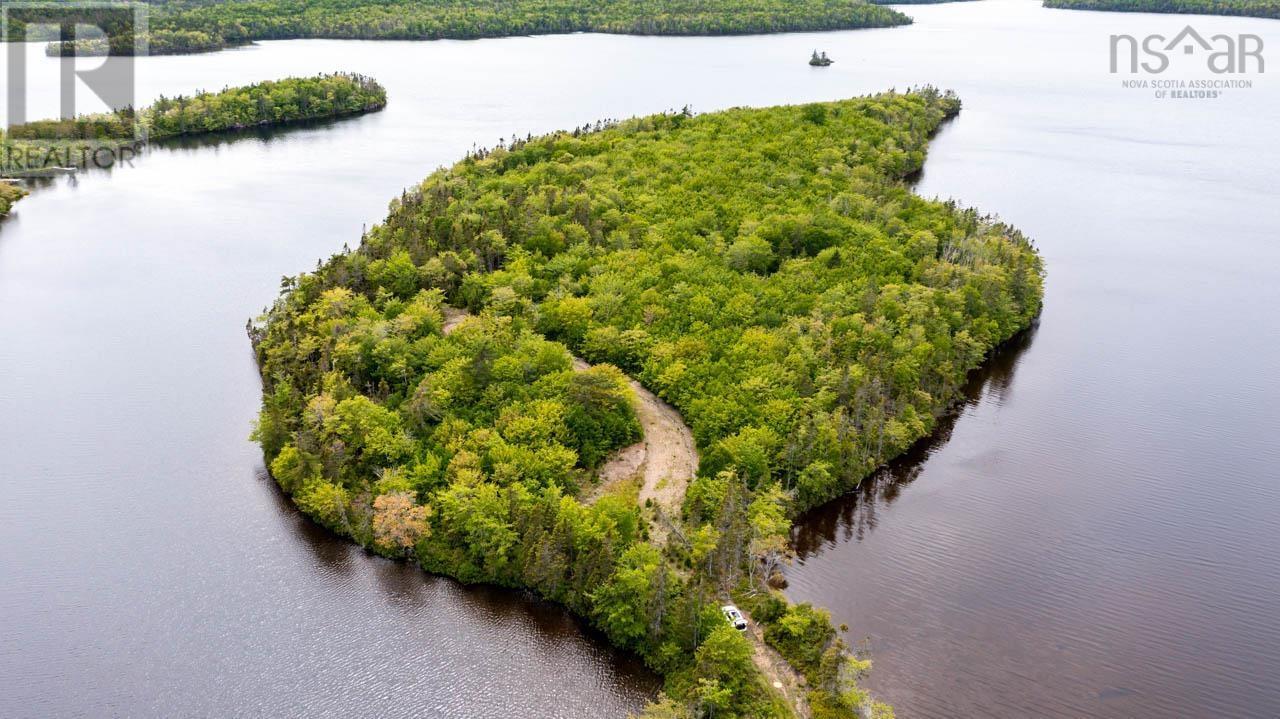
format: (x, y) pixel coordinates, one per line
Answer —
(1095, 533)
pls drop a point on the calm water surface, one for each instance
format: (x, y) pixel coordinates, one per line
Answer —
(1094, 534)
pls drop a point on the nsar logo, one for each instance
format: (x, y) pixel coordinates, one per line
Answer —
(1223, 54)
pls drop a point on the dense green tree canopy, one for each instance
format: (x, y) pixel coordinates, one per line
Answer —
(767, 271)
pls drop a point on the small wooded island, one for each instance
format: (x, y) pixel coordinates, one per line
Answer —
(820, 60)
(189, 26)
(271, 103)
(70, 143)
(766, 271)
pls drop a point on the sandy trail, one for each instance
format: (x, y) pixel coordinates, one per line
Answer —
(665, 460)
(777, 671)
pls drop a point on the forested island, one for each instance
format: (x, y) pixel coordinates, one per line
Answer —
(1250, 8)
(270, 103)
(766, 271)
(186, 26)
(84, 140)
(158, 42)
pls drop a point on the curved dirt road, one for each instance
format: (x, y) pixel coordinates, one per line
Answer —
(665, 460)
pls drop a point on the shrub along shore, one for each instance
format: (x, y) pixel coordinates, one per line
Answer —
(9, 194)
(766, 271)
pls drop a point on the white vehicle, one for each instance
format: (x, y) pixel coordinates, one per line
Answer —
(735, 617)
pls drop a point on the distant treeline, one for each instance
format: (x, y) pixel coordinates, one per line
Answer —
(183, 26)
(275, 102)
(1250, 8)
